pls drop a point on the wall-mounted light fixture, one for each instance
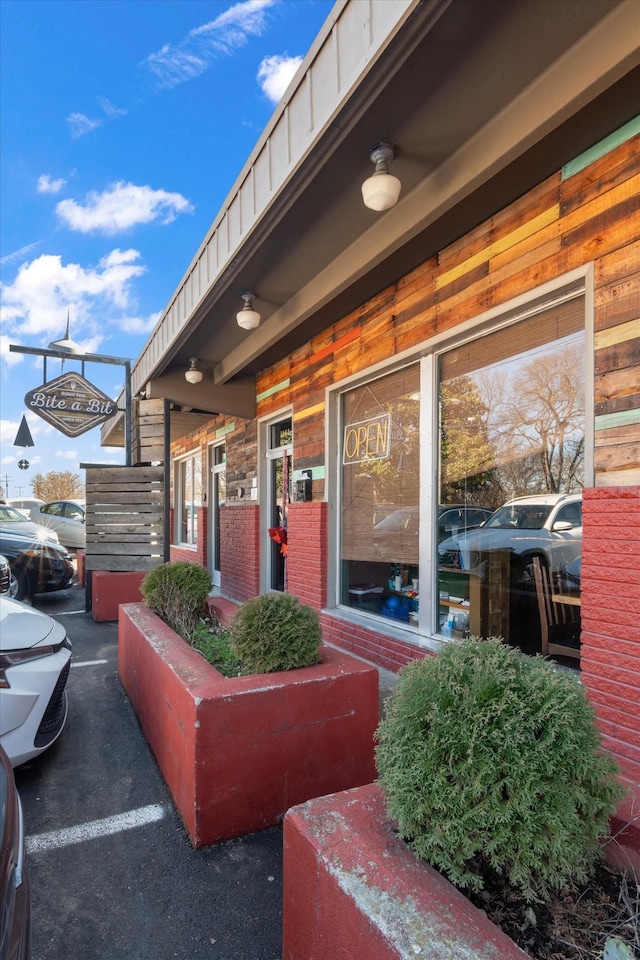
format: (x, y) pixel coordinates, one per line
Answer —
(248, 318)
(193, 375)
(381, 190)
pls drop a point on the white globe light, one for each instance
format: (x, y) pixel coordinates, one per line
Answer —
(381, 191)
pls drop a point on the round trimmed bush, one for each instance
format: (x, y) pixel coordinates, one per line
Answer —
(275, 632)
(491, 762)
(177, 592)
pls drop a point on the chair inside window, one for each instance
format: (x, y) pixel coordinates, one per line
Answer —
(559, 622)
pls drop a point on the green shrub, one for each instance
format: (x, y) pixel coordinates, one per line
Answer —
(491, 762)
(177, 593)
(275, 632)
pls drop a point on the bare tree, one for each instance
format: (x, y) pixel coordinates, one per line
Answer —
(57, 485)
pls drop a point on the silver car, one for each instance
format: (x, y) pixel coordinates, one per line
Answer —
(548, 526)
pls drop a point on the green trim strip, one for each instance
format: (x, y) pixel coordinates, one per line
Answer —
(598, 150)
(621, 419)
(270, 392)
(223, 431)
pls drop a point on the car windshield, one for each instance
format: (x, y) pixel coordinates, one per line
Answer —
(522, 516)
(10, 514)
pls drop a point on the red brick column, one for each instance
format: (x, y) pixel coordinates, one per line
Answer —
(307, 552)
(610, 657)
(240, 550)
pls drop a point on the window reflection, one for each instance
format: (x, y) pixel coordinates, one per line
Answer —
(512, 441)
(380, 496)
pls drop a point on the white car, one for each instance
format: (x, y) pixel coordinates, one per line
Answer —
(547, 526)
(66, 517)
(35, 658)
(13, 521)
(24, 504)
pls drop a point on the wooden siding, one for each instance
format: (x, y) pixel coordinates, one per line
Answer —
(125, 518)
(147, 432)
(562, 224)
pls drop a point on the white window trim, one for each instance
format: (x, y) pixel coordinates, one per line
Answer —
(179, 497)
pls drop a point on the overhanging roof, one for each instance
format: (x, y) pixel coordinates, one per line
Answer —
(482, 99)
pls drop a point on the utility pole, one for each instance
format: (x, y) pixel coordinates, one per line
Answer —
(6, 484)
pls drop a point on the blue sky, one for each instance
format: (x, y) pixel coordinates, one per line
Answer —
(123, 125)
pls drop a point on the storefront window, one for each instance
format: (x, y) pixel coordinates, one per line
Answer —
(189, 498)
(498, 515)
(512, 441)
(380, 496)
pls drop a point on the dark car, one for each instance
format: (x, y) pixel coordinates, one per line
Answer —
(404, 522)
(15, 904)
(5, 575)
(37, 566)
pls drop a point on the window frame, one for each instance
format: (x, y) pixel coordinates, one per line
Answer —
(576, 283)
(193, 457)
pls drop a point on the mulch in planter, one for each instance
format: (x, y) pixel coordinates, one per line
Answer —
(574, 924)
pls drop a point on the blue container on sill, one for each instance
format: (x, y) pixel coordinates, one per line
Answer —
(396, 609)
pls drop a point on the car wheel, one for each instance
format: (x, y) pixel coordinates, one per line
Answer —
(13, 586)
(21, 587)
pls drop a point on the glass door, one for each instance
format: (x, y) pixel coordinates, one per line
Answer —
(217, 497)
(279, 457)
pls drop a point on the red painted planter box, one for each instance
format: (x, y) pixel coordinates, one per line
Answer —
(236, 753)
(110, 589)
(352, 888)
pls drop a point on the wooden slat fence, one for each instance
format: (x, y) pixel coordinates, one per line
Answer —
(125, 518)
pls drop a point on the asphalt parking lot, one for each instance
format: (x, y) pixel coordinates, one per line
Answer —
(113, 874)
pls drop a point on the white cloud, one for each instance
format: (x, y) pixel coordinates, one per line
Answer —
(110, 110)
(19, 254)
(194, 54)
(120, 207)
(275, 74)
(9, 359)
(139, 325)
(80, 124)
(37, 301)
(67, 454)
(47, 185)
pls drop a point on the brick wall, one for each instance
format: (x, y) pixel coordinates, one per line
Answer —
(611, 618)
(378, 648)
(240, 551)
(307, 552)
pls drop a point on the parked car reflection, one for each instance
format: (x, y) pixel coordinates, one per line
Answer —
(404, 522)
(548, 526)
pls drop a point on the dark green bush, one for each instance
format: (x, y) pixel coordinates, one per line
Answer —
(491, 763)
(177, 592)
(275, 632)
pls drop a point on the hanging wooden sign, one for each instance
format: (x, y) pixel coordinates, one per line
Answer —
(71, 404)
